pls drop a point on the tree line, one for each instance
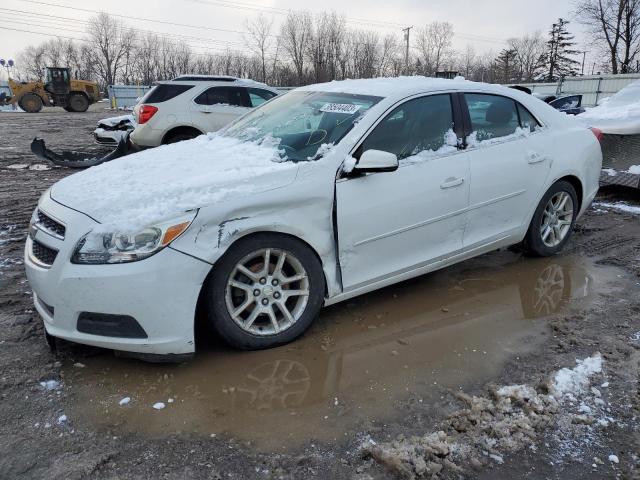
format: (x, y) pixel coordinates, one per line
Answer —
(308, 48)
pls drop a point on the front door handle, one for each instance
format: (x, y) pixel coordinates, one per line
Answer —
(452, 182)
(535, 157)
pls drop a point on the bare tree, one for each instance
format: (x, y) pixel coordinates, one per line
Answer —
(259, 39)
(468, 61)
(110, 42)
(389, 52)
(31, 62)
(529, 51)
(434, 44)
(296, 33)
(614, 25)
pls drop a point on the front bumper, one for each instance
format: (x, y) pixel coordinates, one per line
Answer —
(159, 292)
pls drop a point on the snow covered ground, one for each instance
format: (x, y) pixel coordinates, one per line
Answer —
(506, 421)
(620, 206)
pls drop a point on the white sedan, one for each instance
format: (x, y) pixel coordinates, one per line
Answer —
(320, 195)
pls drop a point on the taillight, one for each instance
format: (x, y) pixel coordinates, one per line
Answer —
(598, 133)
(145, 112)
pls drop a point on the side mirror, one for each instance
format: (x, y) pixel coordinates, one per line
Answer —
(373, 161)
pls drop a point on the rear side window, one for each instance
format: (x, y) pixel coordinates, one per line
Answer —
(259, 96)
(222, 96)
(492, 116)
(163, 92)
(418, 125)
(527, 121)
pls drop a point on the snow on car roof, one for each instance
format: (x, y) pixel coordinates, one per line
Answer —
(400, 86)
(619, 114)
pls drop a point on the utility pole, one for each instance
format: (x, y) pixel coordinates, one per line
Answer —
(406, 54)
(584, 56)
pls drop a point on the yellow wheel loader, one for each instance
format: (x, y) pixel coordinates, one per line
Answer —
(58, 90)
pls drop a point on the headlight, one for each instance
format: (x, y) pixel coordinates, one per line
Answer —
(100, 246)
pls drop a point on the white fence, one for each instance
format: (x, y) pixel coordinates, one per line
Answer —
(4, 88)
(125, 96)
(593, 88)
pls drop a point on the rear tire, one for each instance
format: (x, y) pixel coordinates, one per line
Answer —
(180, 137)
(252, 307)
(78, 103)
(553, 220)
(30, 103)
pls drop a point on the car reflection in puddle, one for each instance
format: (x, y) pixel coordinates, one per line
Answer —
(419, 339)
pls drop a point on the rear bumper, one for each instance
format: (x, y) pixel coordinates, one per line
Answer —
(145, 136)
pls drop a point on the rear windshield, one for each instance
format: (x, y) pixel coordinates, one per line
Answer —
(163, 92)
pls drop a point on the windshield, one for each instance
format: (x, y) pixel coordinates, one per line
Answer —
(303, 124)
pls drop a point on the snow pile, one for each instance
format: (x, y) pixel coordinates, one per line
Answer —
(635, 169)
(50, 384)
(507, 420)
(159, 405)
(620, 114)
(474, 142)
(160, 183)
(124, 401)
(620, 206)
(573, 381)
(386, 86)
(113, 121)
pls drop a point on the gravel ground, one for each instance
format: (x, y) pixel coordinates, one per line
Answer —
(480, 437)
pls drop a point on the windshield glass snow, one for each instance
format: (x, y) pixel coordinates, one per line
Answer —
(303, 124)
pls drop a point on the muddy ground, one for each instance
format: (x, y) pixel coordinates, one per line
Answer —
(363, 394)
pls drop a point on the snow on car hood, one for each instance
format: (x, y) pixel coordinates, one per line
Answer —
(156, 184)
(619, 114)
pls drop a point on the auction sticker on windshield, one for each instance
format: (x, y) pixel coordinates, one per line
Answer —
(347, 108)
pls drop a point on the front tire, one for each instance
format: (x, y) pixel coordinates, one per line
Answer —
(30, 103)
(553, 220)
(265, 291)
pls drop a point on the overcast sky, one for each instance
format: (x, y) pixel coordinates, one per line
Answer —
(483, 23)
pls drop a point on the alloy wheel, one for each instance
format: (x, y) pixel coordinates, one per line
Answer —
(267, 291)
(557, 219)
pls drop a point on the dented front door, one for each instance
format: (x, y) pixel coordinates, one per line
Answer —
(391, 223)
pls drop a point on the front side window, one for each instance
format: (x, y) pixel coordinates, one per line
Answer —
(492, 116)
(222, 96)
(259, 96)
(302, 122)
(419, 125)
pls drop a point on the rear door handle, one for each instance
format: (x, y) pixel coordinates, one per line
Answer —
(535, 157)
(452, 182)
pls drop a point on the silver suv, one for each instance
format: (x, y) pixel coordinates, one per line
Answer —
(191, 105)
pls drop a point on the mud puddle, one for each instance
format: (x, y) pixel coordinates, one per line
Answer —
(420, 339)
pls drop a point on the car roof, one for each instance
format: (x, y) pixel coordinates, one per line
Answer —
(203, 78)
(215, 81)
(404, 86)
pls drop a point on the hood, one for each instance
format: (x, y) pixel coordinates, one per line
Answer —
(157, 184)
